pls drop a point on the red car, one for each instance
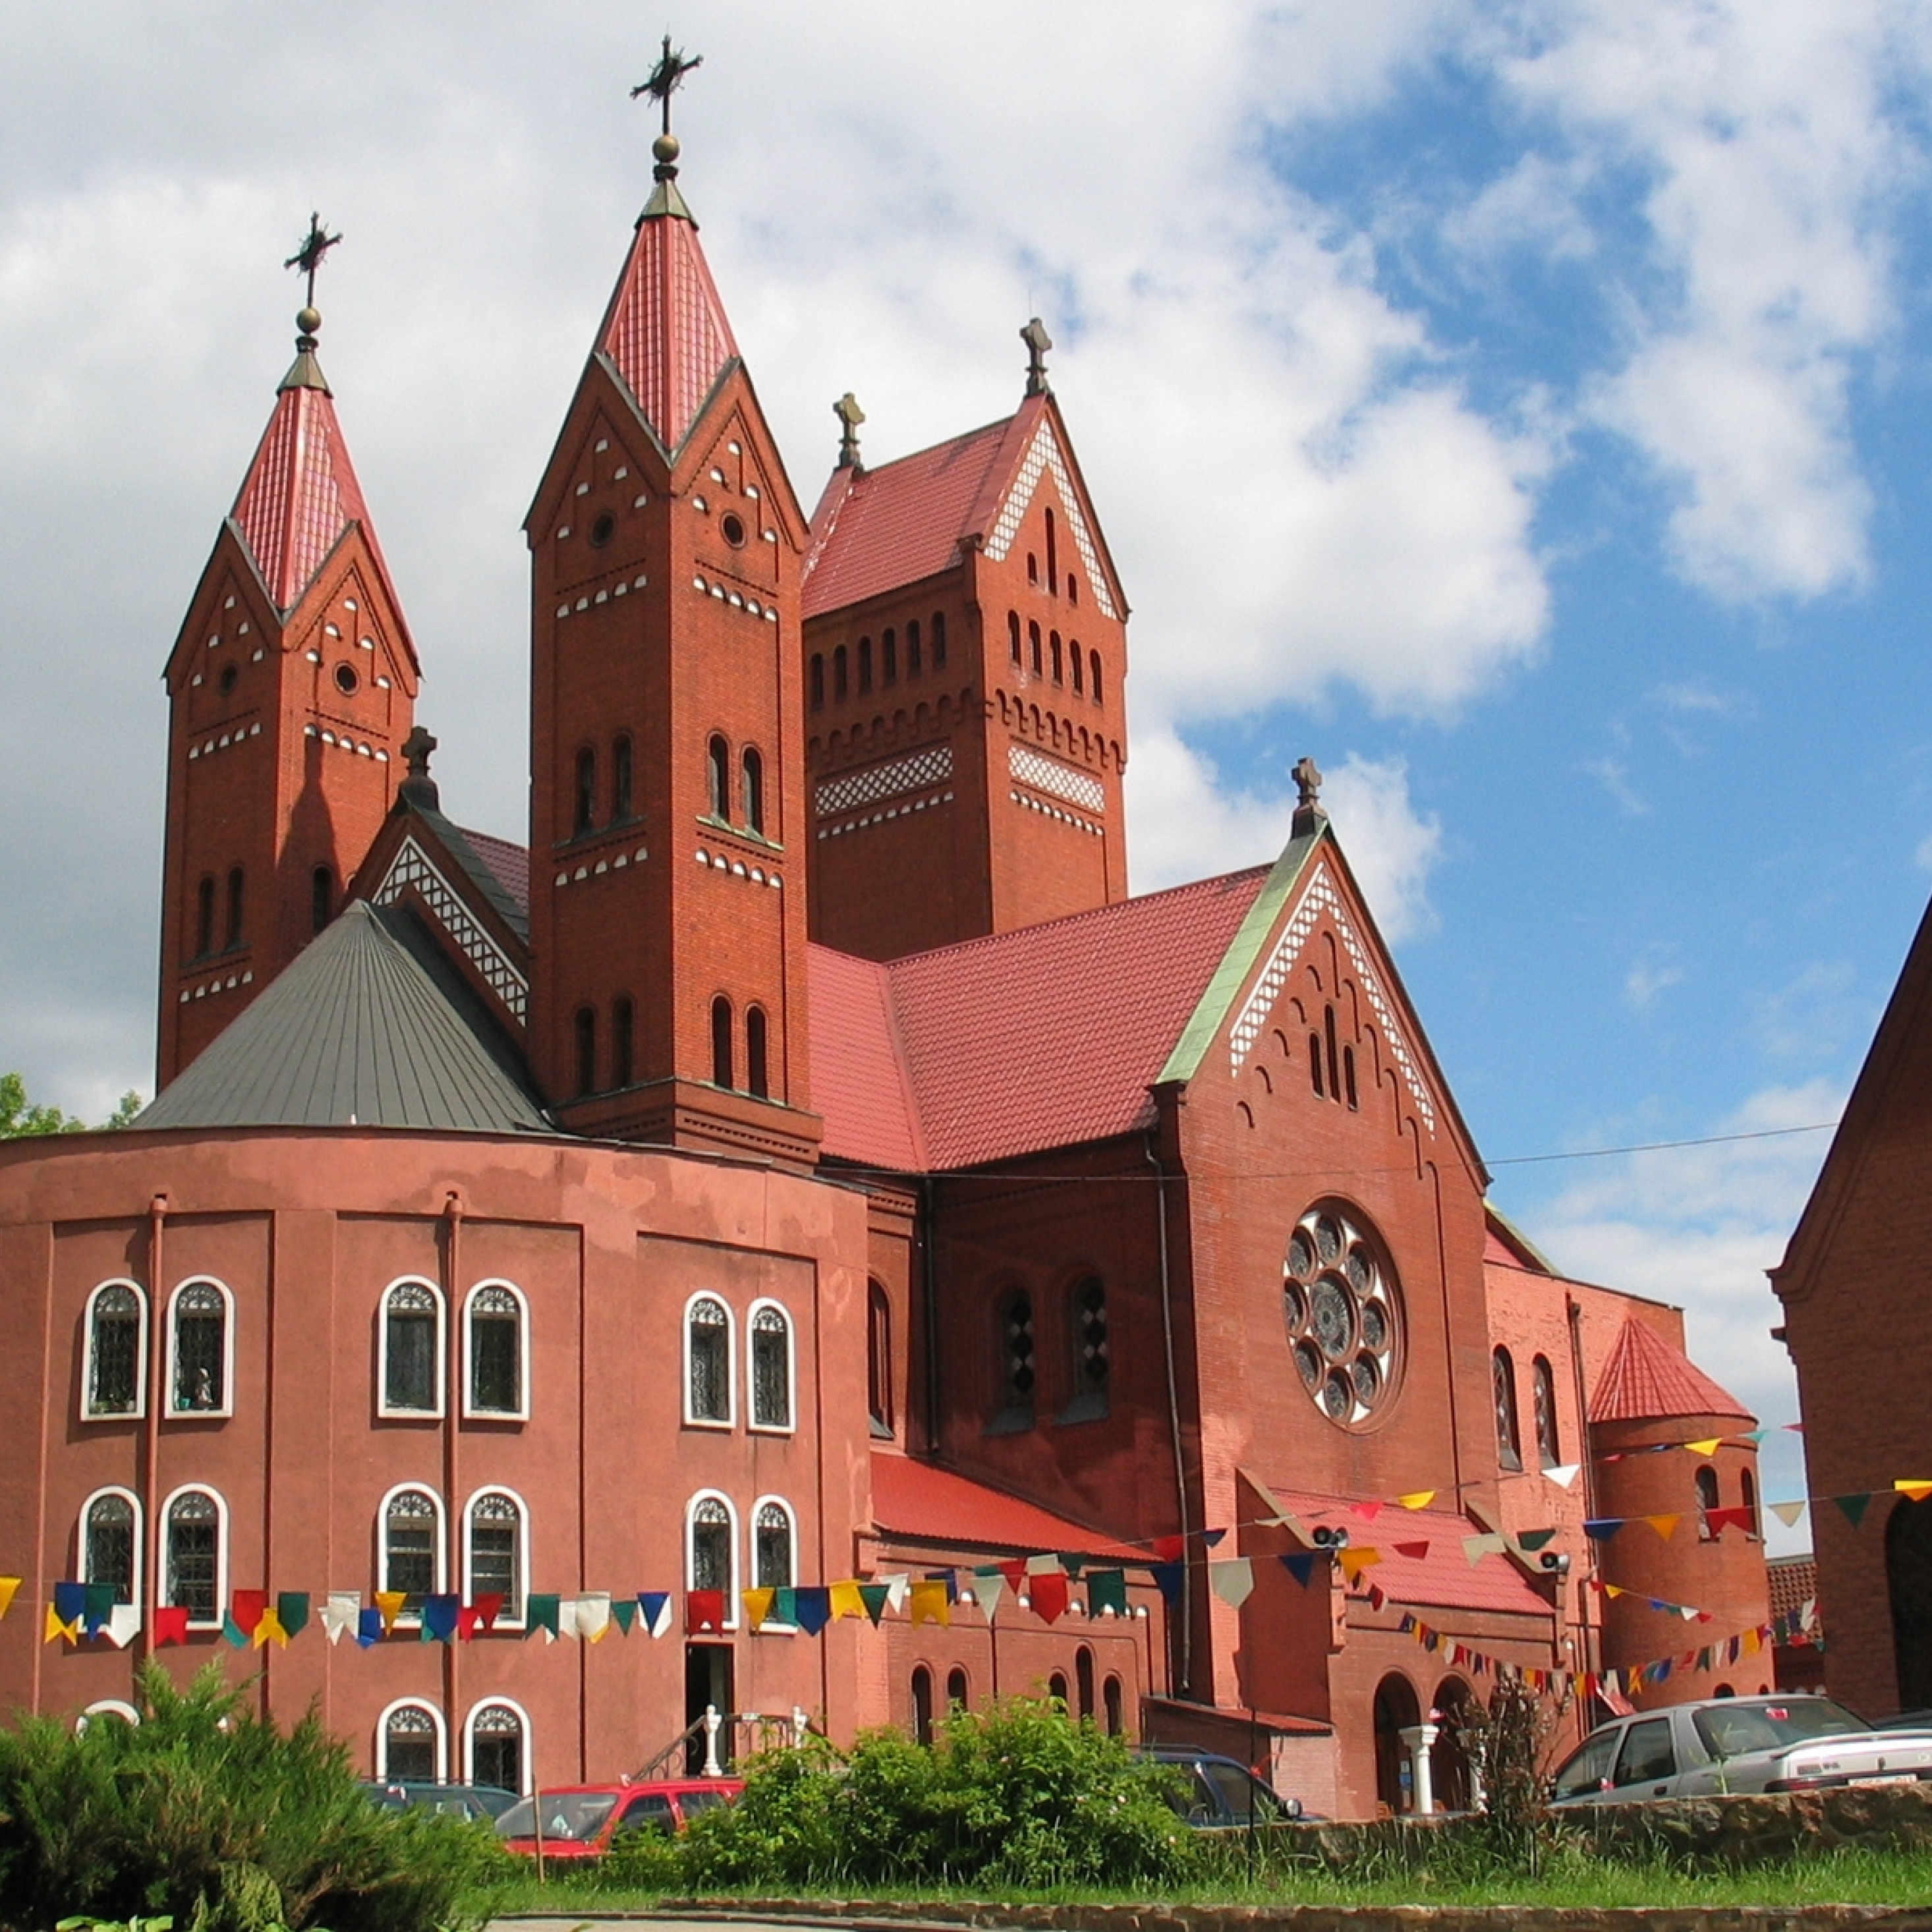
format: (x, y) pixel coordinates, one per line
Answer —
(580, 1821)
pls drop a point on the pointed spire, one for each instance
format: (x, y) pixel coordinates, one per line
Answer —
(664, 80)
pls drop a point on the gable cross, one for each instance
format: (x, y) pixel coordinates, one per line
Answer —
(850, 416)
(1038, 342)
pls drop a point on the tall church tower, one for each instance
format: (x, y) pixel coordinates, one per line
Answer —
(668, 918)
(291, 688)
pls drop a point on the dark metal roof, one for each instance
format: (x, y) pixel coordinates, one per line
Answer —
(369, 1027)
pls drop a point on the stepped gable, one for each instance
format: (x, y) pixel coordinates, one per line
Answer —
(919, 1502)
(1645, 1379)
(369, 1028)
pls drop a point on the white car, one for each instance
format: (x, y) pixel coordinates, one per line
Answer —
(1720, 1744)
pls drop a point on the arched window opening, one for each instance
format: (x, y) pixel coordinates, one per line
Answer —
(1073, 587)
(772, 1540)
(1542, 1406)
(1083, 1682)
(1110, 1695)
(817, 680)
(496, 1554)
(1033, 647)
(865, 664)
(1056, 1688)
(939, 640)
(958, 1692)
(912, 666)
(721, 1042)
(1348, 1077)
(410, 1738)
(1013, 634)
(622, 807)
(496, 1747)
(1052, 557)
(1509, 1442)
(1018, 1374)
(204, 916)
(751, 788)
(757, 1073)
(1747, 1495)
(771, 1369)
(841, 676)
(922, 1704)
(717, 759)
(114, 1351)
(496, 1352)
(1033, 568)
(1706, 1481)
(879, 1359)
(236, 888)
(1076, 660)
(192, 1560)
(1090, 1360)
(321, 898)
(889, 655)
(1058, 658)
(583, 809)
(623, 1041)
(708, 1345)
(1315, 1064)
(1093, 673)
(411, 1320)
(712, 1563)
(109, 1545)
(409, 1553)
(1333, 1066)
(1395, 1709)
(201, 1350)
(585, 1029)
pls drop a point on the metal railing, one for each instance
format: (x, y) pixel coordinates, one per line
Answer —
(717, 1738)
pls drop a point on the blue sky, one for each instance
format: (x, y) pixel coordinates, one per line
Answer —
(1522, 407)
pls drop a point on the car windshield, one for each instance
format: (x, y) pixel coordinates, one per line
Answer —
(566, 1815)
(1744, 1728)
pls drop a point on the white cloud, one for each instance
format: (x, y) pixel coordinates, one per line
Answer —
(1651, 973)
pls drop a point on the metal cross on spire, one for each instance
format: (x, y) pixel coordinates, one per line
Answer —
(315, 245)
(666, 77)
(1038, 342)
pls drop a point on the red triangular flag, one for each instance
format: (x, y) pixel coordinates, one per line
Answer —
(1416, 1550)
(1169, 1548)
(704, 1611)
(467, 1618)
(170, 1625)
(1015, 1573)
(250, 1607)
(1047, 1594)
(489, 1607)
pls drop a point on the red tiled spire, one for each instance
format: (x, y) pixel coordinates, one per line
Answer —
(1646, 1378)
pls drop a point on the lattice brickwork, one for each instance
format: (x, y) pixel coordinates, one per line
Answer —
(413, 867)
(933, 766)
(1048, 774)
(1044, 454)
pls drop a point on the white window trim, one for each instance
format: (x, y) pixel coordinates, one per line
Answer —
(227, 1404)
(521, 1413)
(731, 1599)
(441, 1375)
(140, 1409)
(791, 1371)
(505, 1622)
(106, 1707)
(389, 1710)
(776, 1625)
(729, 1419)
(220, 1503)
(439, 1547)
(136, 1591)
(481, 1705)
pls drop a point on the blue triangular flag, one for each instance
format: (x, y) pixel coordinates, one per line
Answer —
(368, 1626)
(1169, 1576)
(655, 1605)
(440, 1615)
(1601, 1528)
(70, 1602)
(814, 1609)
(1300, 1564)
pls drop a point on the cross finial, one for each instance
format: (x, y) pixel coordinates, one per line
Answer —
(1309, 814)
(315, 243)
(1038, 342)
(419, 788)
(663, 81)
(850, 416)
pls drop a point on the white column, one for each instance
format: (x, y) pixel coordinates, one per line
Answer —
(712, 1720)
(1419, 1738)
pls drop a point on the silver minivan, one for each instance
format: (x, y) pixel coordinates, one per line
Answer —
(1723, 1744)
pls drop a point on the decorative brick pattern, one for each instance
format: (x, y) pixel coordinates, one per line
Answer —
(1048, 774)
(1044, 454)
(412, 866)
(933, 766)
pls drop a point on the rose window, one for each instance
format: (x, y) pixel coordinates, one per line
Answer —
(1343, 1313)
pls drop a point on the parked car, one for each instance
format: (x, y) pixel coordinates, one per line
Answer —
(488, 1801)
(1738, 1744)
(580, 1821)
(1218, 1793)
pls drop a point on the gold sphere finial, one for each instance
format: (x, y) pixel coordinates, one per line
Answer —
(308, 320)
(665, 149)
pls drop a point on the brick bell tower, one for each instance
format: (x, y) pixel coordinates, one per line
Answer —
(667, 916)
(291, 687)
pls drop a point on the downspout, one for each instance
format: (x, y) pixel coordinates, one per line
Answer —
(929, 1301)
(1593, 1641)
(157, 1368)
(1187, 1646)
(457, 1524)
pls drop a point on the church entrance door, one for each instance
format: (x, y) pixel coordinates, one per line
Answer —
(1395, 1708)
(1908, 1570)
(708, 1682)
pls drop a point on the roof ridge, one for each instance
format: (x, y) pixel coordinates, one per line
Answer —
(868, 470)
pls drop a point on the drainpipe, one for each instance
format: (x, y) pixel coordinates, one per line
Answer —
(157, 1371)
(1186, 1646)
(1592, 1632)
(452, 1274)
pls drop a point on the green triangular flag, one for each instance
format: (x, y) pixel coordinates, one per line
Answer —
(1107, 1590)
(785, 1607)
(1854, 1507)
(540, 1613)
(874, 1596)
(624, 1612)
(292, 1610)
(1071, 1565)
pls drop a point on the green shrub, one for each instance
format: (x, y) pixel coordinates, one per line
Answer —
(206, 1813)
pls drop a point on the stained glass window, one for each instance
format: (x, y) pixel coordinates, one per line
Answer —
(115, 1353)
(709, 1331)
(771, 1369)
(201, 1347)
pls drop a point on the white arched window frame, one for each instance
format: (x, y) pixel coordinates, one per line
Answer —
(439, 1371)
(437, 1726)
(523, 1717)
(729, 1419)
(89, 1358)
(778, 1506)
(520, 1410)
(83, 1566)
(171, 1403)
(509, 1618)
(438, 1541)
(107, 1707)
(695, 1515)
(769, 1308)
(167, 1593)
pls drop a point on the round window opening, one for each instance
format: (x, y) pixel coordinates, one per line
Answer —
(602, 529)
(733, 526)
(345, 680)
(230, 676)
(1343, 1314)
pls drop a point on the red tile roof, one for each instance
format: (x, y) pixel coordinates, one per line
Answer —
(925, 1503)
(510, 864)
(1794, 1583)
(875, 529)
(666, 329)
(858, 1069)
(1445, 1578)
(1646, 1378)
(300, 493)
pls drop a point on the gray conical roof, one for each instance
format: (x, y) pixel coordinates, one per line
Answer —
(369, 1028)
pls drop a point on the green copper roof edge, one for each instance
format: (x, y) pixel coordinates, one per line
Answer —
(1243, 949)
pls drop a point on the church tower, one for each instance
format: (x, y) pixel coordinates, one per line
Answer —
(291, 687)
(966, 655)
(668, 918)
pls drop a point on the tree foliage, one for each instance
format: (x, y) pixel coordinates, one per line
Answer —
(19, 1117)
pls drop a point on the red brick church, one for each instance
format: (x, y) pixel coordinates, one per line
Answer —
(803, 1163)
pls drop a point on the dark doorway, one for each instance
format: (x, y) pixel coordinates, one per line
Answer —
(1908, 1570)
(1395, 1709)
(1449, 1758)
(707, 1681)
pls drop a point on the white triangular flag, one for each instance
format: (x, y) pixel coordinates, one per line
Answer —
(1788, 1513)
(988, 1590)
(593, 1615)
(341, 1614)
(566, 1617)
(1563, 1473)
(897, 1589)
(1233, 1580)
(1048, 1563)
(123, 1624)
(1475, 1548)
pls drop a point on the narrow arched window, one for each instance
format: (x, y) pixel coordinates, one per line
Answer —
(879, 1359)
(1315, 1064)
(772, 1539)
(939, 640)
(721, 1042)
(1348, 1077)
(204, 919)
(771, 1369)
(865, 664)
(1033, 647)
(1090, 1342)
(757, 1075)
(192, 1558)
(200, 1380)
(1706, 1481)
(623, 1044)
(235, 890)
(409, 1746)
(816, 680)
(1013, 634)
(1052, 557)
(110, 1545)
(1033, 568)
(1083, 1682)
(912, 666)
(752, 788)
(496, 1351)
(583, 811)
(1334, 1057)
(1059, 657)
(621, 778)
(114, 1351)
(712, 1564)
(1073, 588)
(496, 1553)
(922, 1704)
(1502, 1378)
(1110, 1700)
(1076, 662)
(1017, 1370)
(1093, 672)
(412, 1321)
(1056, 1688)
(718, 757)
(585, 1026)
(840, 682)
(708, 1351)
(889, 655)
(321, 898)
(411, 1563)
(1543, 1407)
(496, 1747)
(957, 1690)
(1747, 1495)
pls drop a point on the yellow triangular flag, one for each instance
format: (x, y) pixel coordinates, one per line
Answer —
(56, 1628)
(8, 1585)
(1663, 1525)
(1417, 1499)
(270, 1628)
(1615, 1590)
(758, 1606)
(1354, 1562)
(846, 1600)
(1916, 1490)
(390, 1603)
(929, 1605)
(1709, 1446)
